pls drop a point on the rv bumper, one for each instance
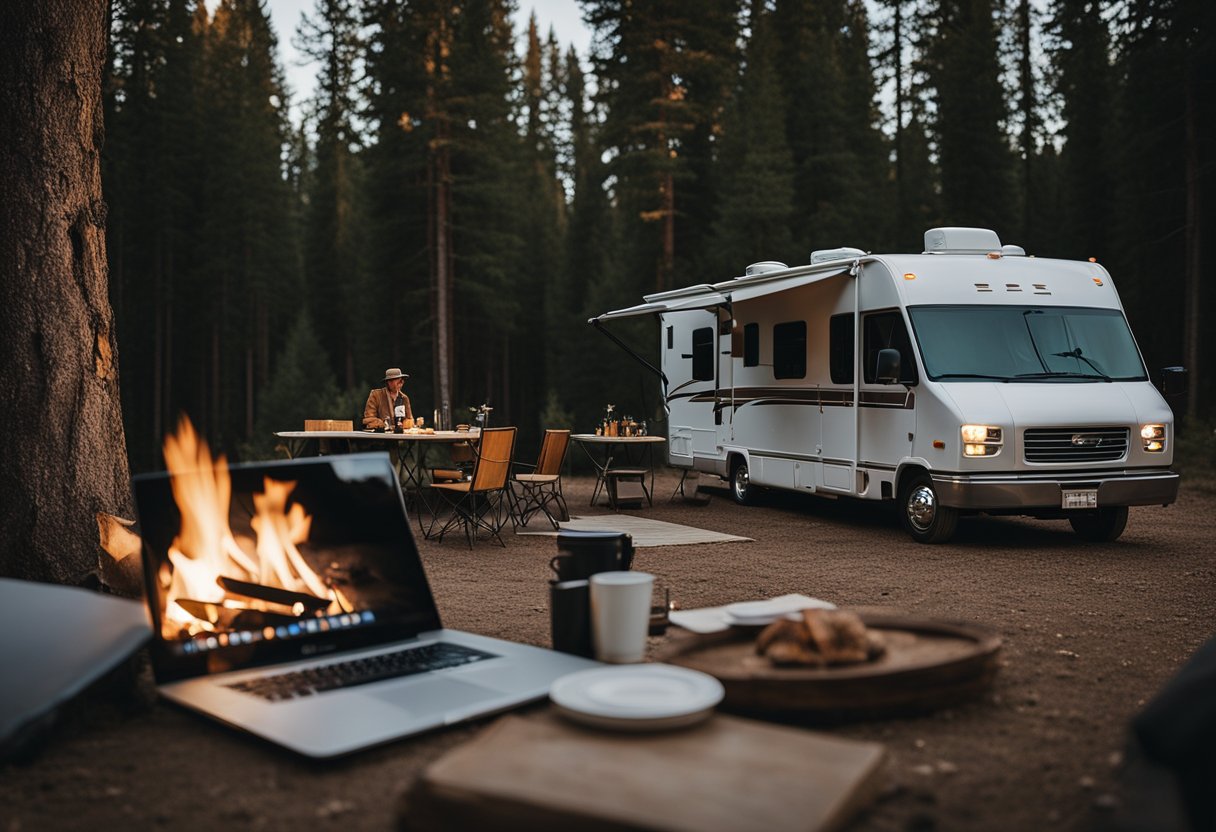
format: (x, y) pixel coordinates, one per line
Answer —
(1004, 491)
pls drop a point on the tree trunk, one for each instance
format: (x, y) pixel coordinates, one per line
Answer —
(1194, 237)
(61, 436)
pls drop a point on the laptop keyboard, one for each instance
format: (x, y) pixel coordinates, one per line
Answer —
(287, 686)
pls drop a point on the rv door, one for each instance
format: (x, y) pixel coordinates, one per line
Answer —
(690, 343)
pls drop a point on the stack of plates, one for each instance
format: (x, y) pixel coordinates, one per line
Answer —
(644, 697)
(762, 613)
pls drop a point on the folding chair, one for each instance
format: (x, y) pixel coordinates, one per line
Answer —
(541, 491)
(330, 446)
(483, 502)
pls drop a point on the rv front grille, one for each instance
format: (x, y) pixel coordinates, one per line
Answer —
(1074, 444)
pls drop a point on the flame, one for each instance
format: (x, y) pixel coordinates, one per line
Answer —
(205, 549)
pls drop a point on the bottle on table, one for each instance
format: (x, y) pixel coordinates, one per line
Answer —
(399, 415)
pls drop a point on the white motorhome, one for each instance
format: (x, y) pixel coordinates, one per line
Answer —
(968, 378)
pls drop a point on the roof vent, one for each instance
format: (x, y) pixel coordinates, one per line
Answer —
(961, 241)
(1013, 251)
(824, 255)
(764, 266)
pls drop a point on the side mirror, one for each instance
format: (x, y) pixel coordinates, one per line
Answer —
(1173, 383)
(887, 371)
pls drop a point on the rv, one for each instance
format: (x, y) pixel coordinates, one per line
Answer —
(969, 378)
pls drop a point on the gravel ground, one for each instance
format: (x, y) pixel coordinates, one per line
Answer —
(1091, 632)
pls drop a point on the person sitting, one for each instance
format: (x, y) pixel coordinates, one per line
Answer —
(381, 402)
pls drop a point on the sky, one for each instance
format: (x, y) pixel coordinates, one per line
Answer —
(562, 15)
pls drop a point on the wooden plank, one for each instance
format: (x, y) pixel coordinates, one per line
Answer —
(544, 773)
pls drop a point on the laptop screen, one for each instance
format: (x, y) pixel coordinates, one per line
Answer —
(250, 564)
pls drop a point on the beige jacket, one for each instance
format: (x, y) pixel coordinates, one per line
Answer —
(379, 409)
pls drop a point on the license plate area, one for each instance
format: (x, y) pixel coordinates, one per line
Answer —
(1079, 498)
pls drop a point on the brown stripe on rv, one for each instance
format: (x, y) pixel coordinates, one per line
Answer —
(742, 396)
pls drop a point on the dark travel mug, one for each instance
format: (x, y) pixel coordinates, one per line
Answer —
(570, 617)
(582, 554)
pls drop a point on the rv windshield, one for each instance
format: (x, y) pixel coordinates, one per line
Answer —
(1026, 343)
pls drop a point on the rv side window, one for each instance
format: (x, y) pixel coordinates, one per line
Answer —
(886, 330)
(671, 341)
(789, 350)
(840, 350)
(751, 345)
(703, 354)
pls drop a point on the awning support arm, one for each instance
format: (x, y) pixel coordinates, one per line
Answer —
(595, 322)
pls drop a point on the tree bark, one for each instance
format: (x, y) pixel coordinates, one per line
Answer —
(62, 445)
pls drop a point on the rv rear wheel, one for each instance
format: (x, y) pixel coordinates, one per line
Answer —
(923, 516)
(741, 487)
(1101, 525)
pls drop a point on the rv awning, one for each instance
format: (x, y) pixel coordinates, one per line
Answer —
(745, 289)
(701, 300)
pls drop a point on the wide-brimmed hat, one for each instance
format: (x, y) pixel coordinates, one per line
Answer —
(394, 372)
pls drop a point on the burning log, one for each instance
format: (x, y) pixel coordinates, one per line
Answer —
(300, 603)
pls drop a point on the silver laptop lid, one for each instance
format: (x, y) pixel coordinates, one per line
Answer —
(267, 562)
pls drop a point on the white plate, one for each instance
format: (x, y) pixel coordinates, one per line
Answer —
(759, 613)
(642, 697)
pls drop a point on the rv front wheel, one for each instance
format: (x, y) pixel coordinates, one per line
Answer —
(741, 487)
(924, 517)
(1101, 525)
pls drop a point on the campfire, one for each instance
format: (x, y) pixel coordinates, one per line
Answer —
(219, 582)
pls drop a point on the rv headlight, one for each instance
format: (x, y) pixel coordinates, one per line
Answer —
(981, 440)
(1153, 437)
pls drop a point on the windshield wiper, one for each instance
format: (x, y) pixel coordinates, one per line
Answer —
(1077, 354)
(1065, 374)
(972, 375)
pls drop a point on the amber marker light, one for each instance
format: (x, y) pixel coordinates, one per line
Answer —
(909, 276)
(1097, 281)
(939, 444)
(1093, 259)
(994, 255)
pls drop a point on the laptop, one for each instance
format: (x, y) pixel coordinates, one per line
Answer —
(288, 599)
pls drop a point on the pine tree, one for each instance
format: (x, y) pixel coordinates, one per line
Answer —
(1081, 60)
(962, 65)
(405, 151)
(830, 121)
(246, 238)
(663, 71)
(756, 207)
(334, 239)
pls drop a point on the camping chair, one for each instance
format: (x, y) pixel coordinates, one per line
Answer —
(541, 490)
(483, 502)
(330, 446)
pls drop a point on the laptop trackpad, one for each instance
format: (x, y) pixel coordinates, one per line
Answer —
(435, 696)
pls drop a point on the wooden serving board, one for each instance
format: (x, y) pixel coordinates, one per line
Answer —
(544, 774)
(928, 664)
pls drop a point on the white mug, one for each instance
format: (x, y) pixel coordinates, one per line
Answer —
(620, 615)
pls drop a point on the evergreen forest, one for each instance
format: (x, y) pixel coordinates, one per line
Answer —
(461, 196)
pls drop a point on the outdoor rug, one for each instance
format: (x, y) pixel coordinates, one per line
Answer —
(645, 532)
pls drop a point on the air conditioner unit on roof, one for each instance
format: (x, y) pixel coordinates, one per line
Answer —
(961, 241)
(826, 254)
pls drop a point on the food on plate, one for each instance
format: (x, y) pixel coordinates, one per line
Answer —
(819, 638)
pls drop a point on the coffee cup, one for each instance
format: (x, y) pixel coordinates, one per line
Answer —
(570, 617)
(582, 554)
(620, 615)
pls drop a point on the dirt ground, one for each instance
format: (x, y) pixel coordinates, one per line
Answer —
(1091, 632)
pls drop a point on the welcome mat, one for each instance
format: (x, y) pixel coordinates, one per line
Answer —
(644, 532)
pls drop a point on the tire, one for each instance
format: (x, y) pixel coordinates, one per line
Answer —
(1102, 525)
(741, 487)
(922, 515)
